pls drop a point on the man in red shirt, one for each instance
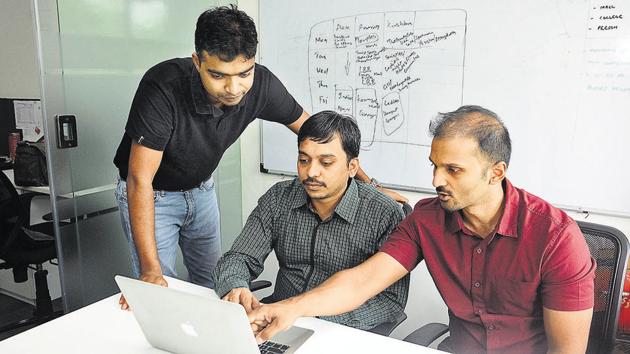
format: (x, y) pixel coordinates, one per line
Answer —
(515, 272)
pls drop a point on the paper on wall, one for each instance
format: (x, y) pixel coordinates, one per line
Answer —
(28, 117)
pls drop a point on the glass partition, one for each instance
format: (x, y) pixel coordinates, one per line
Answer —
(92, 54)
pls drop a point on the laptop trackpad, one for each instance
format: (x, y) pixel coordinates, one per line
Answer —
(293, 337)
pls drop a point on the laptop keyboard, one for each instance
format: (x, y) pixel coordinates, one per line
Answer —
(272, 348)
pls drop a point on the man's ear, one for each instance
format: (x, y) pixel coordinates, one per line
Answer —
(354, 167)
(196, 61)
(497, 172)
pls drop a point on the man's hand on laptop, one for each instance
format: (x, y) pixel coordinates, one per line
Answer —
(244, 297)
(153, 278)
(267, 320)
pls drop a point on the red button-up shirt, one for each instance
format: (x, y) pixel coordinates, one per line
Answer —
(495, 288)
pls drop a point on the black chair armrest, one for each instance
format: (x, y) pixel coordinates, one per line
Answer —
(427, 334)
(259, 284)
(385, 329)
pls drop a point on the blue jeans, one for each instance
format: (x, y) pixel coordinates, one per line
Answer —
(190, 219)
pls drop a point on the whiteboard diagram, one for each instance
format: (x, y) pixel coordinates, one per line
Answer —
(557, 76)
(391, 71)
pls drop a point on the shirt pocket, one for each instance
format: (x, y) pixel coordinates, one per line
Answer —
(513, 297)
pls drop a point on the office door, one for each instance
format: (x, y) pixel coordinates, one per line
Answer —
(92, 54)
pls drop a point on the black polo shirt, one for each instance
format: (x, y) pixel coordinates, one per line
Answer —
(171, 112)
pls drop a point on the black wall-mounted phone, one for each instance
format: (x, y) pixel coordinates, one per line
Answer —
(66, 131)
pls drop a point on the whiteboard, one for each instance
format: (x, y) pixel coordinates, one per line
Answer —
(557, 72)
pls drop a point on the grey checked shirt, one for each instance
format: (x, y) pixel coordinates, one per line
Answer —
(310, 250)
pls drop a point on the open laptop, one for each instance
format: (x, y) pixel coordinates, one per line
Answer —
(197, 321)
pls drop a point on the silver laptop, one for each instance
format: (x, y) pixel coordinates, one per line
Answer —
(196, 321)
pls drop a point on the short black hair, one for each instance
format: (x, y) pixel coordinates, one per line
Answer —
(226, 32)
(322, 127)
(479, 123)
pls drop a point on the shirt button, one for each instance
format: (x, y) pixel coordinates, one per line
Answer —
(477, 284)
(479, 311)
(478, 250)
(491, 327)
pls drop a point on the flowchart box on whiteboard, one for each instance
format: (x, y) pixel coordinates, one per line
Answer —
(388, 69)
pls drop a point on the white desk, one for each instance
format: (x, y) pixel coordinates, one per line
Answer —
(46, 189)
(103, 328)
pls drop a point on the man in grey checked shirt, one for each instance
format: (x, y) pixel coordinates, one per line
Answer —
(320, 223)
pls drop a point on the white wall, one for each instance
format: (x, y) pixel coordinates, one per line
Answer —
(19, 76)
(425, 304)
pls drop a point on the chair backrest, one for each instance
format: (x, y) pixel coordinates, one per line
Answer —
(12, 213)
(609, 248)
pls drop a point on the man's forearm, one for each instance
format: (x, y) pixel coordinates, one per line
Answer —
(142, 219)
(389, 303)
(339, 294)
(362, 176)
(348, 289)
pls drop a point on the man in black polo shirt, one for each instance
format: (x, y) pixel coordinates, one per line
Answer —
(185, 114)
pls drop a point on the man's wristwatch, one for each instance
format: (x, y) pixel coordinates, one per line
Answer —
(375, 183)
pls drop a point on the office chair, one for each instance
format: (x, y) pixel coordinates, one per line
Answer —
(259, 285)
(407, 209)
(22, 246)
(609, 248)
(384, 329)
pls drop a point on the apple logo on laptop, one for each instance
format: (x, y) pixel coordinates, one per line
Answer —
(189, 329)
